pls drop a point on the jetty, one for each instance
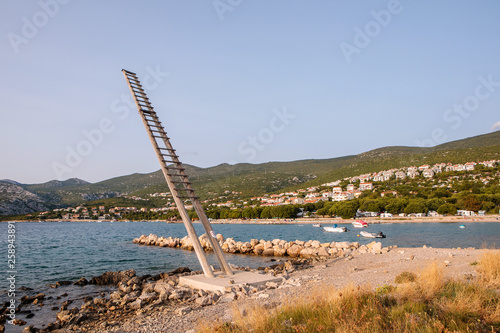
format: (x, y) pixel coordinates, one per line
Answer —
(270, 248)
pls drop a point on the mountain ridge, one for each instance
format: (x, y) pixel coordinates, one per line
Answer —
(256, 179)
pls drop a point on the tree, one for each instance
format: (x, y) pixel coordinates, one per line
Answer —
(416, 206)
(447, 209)
(266, 213)
(249, 213)
(471, 203)
(396, 206)
(371, 206)
(348, 209)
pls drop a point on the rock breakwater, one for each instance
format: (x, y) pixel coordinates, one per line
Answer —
(272, 248)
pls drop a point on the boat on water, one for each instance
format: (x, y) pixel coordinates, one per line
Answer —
(359, 224)
(367, 234)
(462, 226)
(317, 225)
(335, 229)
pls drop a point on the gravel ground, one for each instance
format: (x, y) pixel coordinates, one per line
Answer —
(364, 269)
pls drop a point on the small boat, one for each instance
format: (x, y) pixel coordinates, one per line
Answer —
(359, 224)
(335, 228)
(317, 225)
(462, 226)
(371, 234)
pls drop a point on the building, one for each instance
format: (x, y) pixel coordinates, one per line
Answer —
(400, 175)
(343, 196)
(366, 186)
(470, 166)
(428, 173)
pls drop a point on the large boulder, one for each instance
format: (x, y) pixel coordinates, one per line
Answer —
(245, 247)
(308, 252)
(294, 250)
(279, 251)
(323, 252)
(268, 252)
(315, 244)
(258, 249)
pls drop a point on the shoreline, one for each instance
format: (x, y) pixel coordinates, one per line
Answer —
(190, 313)
(372, 220)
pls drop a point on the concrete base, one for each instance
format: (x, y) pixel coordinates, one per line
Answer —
(222, 281)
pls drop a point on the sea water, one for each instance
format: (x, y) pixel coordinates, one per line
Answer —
(48, 252)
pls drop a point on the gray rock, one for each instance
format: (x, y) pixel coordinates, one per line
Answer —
(135, 305)
(205, 300)
(148, 297)
(163, 286)
(183, 310)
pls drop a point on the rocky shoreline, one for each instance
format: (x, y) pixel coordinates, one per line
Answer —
(128, 295)
(128, 302)
(270, 248)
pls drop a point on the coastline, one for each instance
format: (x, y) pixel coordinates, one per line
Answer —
(323, 220)
(334, 274)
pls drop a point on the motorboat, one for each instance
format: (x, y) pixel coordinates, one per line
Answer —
(359, 224)
(335, 228)
(317, 225)
(462, 226)
(367, 234)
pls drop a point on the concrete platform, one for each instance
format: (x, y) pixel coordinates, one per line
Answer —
(222, 281)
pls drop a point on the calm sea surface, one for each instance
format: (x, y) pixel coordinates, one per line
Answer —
(48, 252)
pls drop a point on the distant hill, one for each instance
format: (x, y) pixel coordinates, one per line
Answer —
(14, 199)
(257, 179)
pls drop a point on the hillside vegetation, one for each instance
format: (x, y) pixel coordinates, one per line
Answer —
(255, 179)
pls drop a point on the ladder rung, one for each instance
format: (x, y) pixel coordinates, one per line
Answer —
(187, 197)
(176, 168)
(169, 155)
(128, 72)
(181, 182)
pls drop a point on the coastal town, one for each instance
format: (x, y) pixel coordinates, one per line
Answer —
(345, 189)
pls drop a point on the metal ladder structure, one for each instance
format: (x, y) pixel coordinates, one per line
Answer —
(176, 177)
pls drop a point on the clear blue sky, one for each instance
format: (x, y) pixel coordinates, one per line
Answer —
(343, 76)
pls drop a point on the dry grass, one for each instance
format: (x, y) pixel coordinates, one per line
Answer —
(426, 303)
(489, 268)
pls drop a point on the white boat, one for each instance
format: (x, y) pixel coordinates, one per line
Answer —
(317, 225)
(371, 234)
(335, 229)
(462, 226)
(359, 224)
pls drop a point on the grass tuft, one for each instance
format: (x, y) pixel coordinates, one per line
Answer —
(489, 268)
(405, 277)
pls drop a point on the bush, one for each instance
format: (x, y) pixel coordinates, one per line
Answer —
(405, 277)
